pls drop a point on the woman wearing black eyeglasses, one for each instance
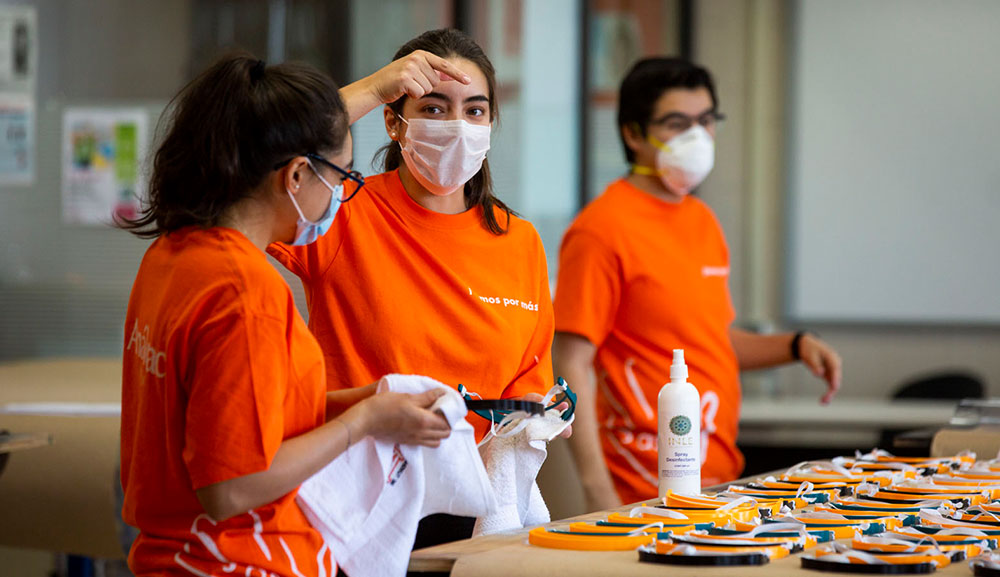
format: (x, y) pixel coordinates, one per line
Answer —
(224, 397)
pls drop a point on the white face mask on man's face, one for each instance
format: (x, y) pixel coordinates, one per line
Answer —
(684, 160)
(444, 154)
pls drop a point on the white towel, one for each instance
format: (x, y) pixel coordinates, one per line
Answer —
(367, 502)
(512, 463)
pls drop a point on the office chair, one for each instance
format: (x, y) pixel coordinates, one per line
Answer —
(940, 385)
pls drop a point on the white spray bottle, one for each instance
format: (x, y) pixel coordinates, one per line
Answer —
(679, 432)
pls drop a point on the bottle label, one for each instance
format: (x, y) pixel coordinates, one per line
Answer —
(680, 463)
(680, 425)
(679, 456)
(678, 473)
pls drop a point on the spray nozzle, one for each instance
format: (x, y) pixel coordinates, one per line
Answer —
(678, 370)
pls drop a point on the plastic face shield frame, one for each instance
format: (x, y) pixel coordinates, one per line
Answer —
(560, 393)
(564, 395)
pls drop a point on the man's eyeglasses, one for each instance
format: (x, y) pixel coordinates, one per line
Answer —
(678, 122)
(352, 175)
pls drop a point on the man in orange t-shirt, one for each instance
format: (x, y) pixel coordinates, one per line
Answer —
(643, 270)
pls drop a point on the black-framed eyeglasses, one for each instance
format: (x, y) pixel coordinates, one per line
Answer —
(352, 175)
(678, 122)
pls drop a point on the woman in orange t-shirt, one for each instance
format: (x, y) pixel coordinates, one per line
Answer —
(428, 272)
(225, 410)
(643, 270)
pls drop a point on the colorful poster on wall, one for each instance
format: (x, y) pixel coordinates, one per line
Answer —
(18, 48)
(17, 139)
(103, 151)
(614, 47)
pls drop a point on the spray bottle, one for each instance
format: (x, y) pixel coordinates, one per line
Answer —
(679, 432)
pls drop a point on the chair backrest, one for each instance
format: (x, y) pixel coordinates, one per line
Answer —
(942, 385)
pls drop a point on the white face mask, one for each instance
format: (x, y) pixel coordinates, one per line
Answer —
(684, 161)
(444, 154)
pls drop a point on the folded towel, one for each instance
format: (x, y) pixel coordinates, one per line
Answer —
(513, 459)
(367, 502)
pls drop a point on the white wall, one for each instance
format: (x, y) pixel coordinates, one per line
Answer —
(743, 43)
(894, 189)
(63, 288)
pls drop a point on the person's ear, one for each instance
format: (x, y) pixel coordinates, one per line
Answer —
(393, 127)
(293, 175)
(633, 136)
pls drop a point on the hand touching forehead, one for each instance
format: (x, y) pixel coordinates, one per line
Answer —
(451, 100)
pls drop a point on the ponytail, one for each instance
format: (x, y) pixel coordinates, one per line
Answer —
(225, 131)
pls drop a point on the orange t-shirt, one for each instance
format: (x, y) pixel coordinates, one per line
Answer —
(639, 277)
(396, 288)
(218, 370)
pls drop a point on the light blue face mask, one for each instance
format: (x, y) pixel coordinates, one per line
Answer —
(307, 231)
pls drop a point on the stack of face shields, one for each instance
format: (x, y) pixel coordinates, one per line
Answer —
(928, 465)
(622, 539)
(880, 557)
(986, 565)
(628, 524)
(842, 526)
(834, 474)
(786, 495)
(773, 530)
(643, 525)
(912, 492)
(755, 547)
(891, 518)
(682, 509)
(877, 467)
(968, 541)
(990, 535)
(965, 479)
(983, 512)
(933, 520)
(906, 514)
(738, 507)
(871, 513)
(982, 470)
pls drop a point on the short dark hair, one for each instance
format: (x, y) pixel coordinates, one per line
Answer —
(447, 43)
(225, 131)
(646, 82)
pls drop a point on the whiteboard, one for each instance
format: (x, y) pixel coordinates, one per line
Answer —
(893, 199)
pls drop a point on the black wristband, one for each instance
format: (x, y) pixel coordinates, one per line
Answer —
(796, 343)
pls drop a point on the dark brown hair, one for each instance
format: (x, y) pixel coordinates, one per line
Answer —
(226, 130)
(448, 43)
(647, 81)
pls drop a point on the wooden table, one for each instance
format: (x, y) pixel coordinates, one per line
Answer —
(442, 558)
(524, 559)
(61, 497)
(846, 422)
(11, 442)
(509, 554)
